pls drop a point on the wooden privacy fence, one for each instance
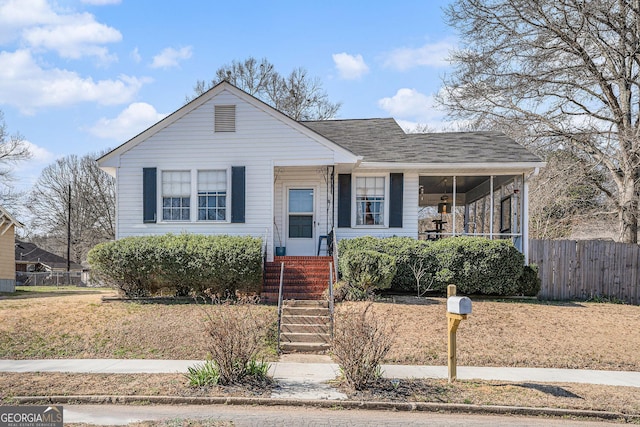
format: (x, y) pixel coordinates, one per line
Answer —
(572, 269)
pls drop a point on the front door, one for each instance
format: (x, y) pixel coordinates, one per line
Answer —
(300, 228)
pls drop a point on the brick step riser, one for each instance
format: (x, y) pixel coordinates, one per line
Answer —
(304, 337)
(273, 298)
(292, 287)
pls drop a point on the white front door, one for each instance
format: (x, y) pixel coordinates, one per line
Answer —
(300, 221)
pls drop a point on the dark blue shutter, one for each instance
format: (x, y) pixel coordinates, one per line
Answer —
(237, 193)
(344, 200)
(149, 195)
(396, 190)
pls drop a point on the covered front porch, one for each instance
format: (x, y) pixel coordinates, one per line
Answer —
(485, 205)
(435, 205)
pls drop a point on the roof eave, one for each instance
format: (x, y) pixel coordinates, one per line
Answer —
(500, 167)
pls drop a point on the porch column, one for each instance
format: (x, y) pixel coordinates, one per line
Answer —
(525, 219)
(491, 207)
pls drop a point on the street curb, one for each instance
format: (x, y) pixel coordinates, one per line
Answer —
(332, 404)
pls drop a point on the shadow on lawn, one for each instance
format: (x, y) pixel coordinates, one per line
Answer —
(553, 390)
(27, 294)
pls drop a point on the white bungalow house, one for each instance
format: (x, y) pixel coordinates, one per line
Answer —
(227, 163)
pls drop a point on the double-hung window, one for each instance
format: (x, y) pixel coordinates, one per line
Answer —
(370, 192)
(212, 195)
(176, 195)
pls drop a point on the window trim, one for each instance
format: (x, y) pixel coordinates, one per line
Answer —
(354, 200)
(227, 207)
(162, 197)
(193, 196)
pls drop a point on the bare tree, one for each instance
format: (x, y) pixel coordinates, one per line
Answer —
(297, 95)
(565, 194)
(13, 149)
(92, 195)
(556, 73)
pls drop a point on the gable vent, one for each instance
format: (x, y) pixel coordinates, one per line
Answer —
(225, 118)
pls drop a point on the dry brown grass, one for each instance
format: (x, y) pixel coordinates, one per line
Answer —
(65, 384)
(526, 334)
(81, 326)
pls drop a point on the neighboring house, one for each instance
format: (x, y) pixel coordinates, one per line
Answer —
(31, 258)
(8, 226)
(227, 163)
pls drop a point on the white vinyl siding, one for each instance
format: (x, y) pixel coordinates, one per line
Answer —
(409, 211)
(262, 143)
(176, 195)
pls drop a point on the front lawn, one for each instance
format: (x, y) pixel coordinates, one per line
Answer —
(497, 333)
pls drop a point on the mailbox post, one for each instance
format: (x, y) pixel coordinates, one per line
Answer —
(457, 309)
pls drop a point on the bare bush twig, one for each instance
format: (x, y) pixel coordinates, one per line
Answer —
(236, 336)
(360, 342)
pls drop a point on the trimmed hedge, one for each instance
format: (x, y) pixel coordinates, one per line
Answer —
(474, 264)
(405, 250)
(478, 266)
(368, 270)
(185, 264)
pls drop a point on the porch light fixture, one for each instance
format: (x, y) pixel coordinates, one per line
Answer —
(444, 207)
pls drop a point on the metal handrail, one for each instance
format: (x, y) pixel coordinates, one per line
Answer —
(331, 299)
(280, 302)
(334, 251)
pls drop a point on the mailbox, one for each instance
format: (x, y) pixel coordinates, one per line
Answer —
(459, 305)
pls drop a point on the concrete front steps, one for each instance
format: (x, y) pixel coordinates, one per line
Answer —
(305, 326)
(305, 278)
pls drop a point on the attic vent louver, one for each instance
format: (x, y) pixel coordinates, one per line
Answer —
(225, 118)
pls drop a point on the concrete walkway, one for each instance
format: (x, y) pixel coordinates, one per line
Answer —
(299, 369)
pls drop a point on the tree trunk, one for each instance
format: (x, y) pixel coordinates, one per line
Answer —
(628, 210)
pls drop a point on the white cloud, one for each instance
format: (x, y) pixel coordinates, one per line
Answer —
(135, 56)
(130, 122)
(71, 35)
(171, 57)
(24, 84)
(27, 172)
(18, 14)
(350, 67)
(429, 55)
(74, 36)
(407, 103)
(410, 108)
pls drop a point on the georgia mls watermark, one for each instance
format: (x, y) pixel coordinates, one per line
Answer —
(30, 416)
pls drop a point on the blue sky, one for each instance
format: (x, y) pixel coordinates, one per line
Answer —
(78, 76)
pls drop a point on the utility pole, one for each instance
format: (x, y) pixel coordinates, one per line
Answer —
(69, 232)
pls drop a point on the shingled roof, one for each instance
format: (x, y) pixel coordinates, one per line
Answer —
(383, 140)
(29, 253)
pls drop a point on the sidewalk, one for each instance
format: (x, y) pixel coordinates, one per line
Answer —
(319, 369)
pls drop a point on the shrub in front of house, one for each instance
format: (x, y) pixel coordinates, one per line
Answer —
(129, 264)
(185, 264)
(475, 264)
(529, 282)
(478, 266)
(407, 252)
(366, 271)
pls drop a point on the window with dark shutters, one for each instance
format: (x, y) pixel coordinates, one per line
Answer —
(149, 195)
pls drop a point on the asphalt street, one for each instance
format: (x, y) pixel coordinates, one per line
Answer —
(242, 416)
